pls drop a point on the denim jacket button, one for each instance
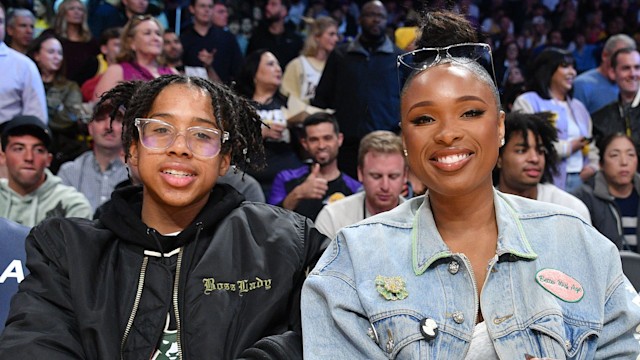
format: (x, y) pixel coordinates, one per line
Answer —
(454, 266)
(458, 317)
(428, 328)
(567, 344)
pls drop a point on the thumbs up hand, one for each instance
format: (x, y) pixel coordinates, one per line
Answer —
(314, 186)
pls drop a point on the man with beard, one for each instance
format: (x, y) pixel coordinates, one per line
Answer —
(276, 34)
(528, 160)
(360, 82)
(382, 169)
(32, 193)
(96, 172)
(206, 45)
(307, 189)
(173, 51)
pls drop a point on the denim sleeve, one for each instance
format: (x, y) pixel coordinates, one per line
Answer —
(334, 325)
(620, 336)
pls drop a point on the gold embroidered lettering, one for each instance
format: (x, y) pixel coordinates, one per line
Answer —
(209, 285)
(242, 286)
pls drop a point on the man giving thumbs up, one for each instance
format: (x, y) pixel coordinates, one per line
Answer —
(307, 189)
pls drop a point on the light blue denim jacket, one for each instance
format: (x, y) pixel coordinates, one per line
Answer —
(346, 317)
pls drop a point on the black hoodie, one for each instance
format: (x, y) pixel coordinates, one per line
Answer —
(103, 289)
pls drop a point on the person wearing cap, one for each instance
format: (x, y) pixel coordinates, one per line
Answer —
(31, 193)
(96, 172)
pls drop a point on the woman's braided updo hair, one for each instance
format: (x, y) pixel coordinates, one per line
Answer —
(232, 114)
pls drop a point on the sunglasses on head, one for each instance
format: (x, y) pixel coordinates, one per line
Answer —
(418, 60)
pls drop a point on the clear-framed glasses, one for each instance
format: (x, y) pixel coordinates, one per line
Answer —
(159, 135)
(420, 59)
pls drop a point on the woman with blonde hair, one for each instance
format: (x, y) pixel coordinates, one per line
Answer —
(77, 43)
(302, 74)
(140, 56)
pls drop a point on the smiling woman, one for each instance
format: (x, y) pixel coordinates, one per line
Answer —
(550, 89)
(465, 272)
(139, 57)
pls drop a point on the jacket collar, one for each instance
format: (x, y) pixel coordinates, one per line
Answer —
(122, 216)
(428, 246)
(356, 47)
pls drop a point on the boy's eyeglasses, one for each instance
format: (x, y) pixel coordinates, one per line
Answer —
(421, 59)
(159, 135)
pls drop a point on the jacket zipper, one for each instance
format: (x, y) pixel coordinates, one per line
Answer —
(176, 281)
(136, 303)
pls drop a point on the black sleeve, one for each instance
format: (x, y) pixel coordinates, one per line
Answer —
(287, 346)
(41, 322)
(325, 91)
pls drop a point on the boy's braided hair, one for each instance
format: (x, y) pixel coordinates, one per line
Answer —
(232, 114)
(111, 101)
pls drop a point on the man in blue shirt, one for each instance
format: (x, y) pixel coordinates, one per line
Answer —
(21, 88)
(596, 88)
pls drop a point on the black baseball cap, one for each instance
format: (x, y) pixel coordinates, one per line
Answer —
(27, 125)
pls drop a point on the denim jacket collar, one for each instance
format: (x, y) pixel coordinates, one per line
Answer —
(428, 246)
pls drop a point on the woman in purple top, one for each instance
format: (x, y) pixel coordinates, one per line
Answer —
(139, 57)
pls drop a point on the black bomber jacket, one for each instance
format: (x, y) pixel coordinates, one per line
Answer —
(103, 289)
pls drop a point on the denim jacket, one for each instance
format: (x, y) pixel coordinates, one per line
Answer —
(554, 289)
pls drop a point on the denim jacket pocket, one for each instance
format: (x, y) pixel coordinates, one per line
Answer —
(562, 338)
(399, 335)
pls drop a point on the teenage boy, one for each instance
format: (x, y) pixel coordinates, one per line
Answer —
(181, 267)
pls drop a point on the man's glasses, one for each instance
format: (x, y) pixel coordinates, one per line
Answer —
(420, 59)
(159, 135)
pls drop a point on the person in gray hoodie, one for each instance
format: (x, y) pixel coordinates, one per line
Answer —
(612, 195)
(31, 193)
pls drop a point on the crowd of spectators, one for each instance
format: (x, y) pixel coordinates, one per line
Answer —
(322, 77)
